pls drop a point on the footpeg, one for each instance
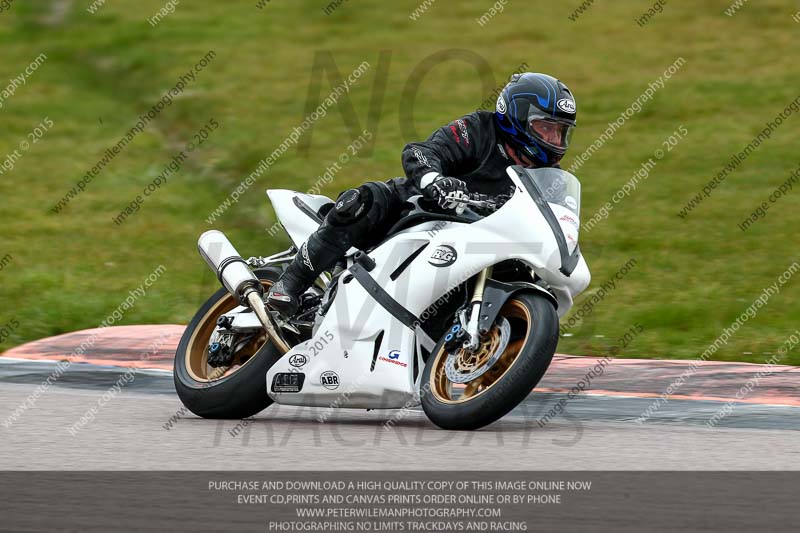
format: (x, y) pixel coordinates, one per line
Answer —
(366, 262)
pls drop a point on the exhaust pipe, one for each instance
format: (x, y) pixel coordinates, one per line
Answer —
(231, 270)
(235, 275)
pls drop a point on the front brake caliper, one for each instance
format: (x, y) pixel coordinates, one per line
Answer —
(454, 340)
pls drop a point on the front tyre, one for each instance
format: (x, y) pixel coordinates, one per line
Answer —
(526, 353)
(236, 392)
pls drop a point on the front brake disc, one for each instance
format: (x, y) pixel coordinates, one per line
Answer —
(456, 376)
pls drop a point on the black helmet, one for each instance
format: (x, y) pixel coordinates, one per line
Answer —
(537, 114)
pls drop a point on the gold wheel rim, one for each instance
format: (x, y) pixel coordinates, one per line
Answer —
(196, 356)
(442, 387)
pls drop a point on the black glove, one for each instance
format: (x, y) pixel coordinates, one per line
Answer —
(447, 192)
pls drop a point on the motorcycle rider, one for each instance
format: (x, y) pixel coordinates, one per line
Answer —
(531, 126)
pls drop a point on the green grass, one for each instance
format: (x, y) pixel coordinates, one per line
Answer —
(693, 278)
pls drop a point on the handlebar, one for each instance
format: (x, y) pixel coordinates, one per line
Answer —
(481, 201)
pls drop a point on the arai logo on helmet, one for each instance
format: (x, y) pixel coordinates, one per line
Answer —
(443, 256)
(566, 105)
(501, 104)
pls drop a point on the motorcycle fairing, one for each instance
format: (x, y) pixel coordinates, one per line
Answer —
(292, 209)
(371, 350)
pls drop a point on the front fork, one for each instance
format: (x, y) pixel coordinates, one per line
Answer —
(473, 340)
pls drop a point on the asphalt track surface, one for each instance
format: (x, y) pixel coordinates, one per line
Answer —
(143, 427)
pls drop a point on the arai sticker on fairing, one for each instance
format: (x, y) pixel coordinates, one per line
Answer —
(298, 360)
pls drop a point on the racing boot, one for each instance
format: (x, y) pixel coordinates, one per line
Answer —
(284, 295)
(341, 229)
(318, 254)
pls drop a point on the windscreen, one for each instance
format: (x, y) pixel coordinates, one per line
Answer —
(558, 187)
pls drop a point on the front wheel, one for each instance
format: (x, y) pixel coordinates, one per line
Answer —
(469, 390)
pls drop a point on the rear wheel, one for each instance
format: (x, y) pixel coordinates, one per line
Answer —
(238, 391)
(468, 390)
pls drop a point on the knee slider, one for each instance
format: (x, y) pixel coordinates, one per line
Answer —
(351, 206)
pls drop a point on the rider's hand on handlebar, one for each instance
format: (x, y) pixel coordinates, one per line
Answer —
(448, 193)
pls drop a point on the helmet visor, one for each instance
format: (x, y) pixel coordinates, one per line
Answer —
(551, 132)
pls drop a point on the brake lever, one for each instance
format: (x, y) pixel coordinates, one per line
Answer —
(480, 201)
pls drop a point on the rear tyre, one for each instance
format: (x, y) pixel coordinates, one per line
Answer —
(242, 390)
(529, 350)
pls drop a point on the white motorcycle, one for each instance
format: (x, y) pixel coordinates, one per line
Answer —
(456, 312)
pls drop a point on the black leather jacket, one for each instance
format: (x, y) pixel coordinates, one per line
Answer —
(470, 148)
